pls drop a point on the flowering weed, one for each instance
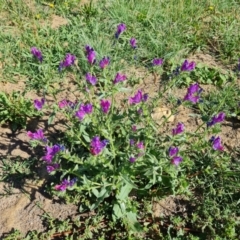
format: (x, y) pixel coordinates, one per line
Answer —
(113, 159)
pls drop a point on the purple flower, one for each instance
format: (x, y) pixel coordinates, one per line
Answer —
(179, 129)
(120, 29)
(193, 93)
(88, 108)
(52, 167)
(67, 62)
(133, 42)
(119, 78)
(132, 159)
(138, 97)
(145, 97)
(105, 105)
(194, 88)
(140, 111)
(134, 128)
(216, 119)
(38, 135)
(80, 114)
(91, 79)
(176, 160)
(65, 103)
(173, 151)
(104, 62)
(91, 55)
(191, 98)
(48, 158)
(140, 145)
(97, 145)
(51, 152)
(131, 142)
(188, 66)
(216, 143)
(37, 53)
(83, 110)
(88, 49)
(54, 149)
(65, 184)
(72, 182)
(38, 104)
(157, 61)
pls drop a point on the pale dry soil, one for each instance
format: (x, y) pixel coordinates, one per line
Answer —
(23, 207)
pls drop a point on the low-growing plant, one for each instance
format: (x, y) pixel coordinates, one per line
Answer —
(15, 109)
(112, 157)
(112, 152)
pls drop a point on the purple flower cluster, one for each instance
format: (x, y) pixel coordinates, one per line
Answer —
(37, 53)
(67, 62)
(51, 152)
(91, 54)
(119, 78)
(65, 184)
(140, 149)
(83, 110)
(120, 29)
(139, 145)
(188, 66)
(176, 160)
(105, 105)
(178, 130)
(38, 135)
(91, 79)
(131, 142)
(216, 143)
(52, 167)
(38, 104)
(66, 103)
(138, 97)
(193, 93)
(104, 62)
(157, 61)
(134, 128)
(216, 119)
(172, 152)
(133, 43)
(96, 145)
(132, 159)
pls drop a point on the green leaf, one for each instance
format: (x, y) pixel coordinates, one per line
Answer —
(95, 192)
(101, 196)
(132, 222)
(86, 137)
(128, 181)
(51, 118)
(124, 192)
(123, 89)
(117, 212)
